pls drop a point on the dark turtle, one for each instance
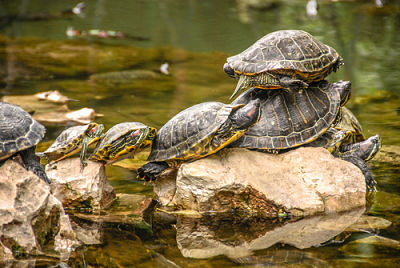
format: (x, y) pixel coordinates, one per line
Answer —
(283, 59)
(197, 132)
(123, 141)
(19, 134)
(73, 140)
(291, 119)
(347, 141)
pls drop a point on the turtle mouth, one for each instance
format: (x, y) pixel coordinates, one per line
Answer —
(229, 70)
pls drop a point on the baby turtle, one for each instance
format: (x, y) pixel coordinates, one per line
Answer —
(288, 59)
(19, 134)
(123, 141)
(197, 132)
(73, 140)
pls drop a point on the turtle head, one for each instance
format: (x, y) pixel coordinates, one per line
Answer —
(229, 70)
(344, 88)
(94, 130)
(141, 137)
(243, 117)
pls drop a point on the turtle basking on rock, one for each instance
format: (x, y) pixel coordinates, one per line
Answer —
(197, 132)
(313, 117)
(19, 135)
(122, 141)
(73, 140)
(288, 59)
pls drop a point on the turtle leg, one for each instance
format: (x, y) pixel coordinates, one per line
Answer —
(292, 84)
(151, 170)
(31, 163)
(360, 163)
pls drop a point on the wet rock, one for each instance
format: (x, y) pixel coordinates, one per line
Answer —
(305, 181)
(31, 218)
(123, 77)
(362, 247)
(75, 189)
(212, 236)
(87, 232)
(52, 96)
(388, 154)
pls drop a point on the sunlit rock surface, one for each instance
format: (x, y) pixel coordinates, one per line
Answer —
(89, 188)
(31, 218)
(212, 236)
(305, 181)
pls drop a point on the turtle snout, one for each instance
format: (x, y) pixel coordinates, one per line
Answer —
(228, 70)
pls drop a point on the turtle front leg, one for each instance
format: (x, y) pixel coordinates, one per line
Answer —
(151, 170)
(289, 83)
(85, 143)
(31, 163)
(354, 159)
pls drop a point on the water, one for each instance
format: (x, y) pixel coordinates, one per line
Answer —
(195, 37)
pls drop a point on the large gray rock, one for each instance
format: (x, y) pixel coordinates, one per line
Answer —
(305, 181)
(31, 218)
(89, 188)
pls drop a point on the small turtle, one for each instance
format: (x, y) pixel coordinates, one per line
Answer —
(123, 141)
(292, 119)
(286, 59)
(347, 141)
(19, 134)
(72, 140)
(197, 132)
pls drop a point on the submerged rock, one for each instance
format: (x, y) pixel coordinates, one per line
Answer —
(75, 189)
(305, 181)
(31, 218)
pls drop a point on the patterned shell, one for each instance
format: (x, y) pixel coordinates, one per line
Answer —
(292, 51)
(292, 120)
(18, 130)
(116, 132)
(181, 137)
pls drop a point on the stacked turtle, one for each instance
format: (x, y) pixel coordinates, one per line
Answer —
(287, 70)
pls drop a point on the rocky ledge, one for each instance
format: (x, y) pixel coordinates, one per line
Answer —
(301, 182)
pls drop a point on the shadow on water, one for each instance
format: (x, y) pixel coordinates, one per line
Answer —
(121, 79)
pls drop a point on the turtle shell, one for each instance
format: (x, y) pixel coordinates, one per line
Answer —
(18, 130)
(292, 119)
(287, 52)
(68, 141)
(105, 148)
(185, 136)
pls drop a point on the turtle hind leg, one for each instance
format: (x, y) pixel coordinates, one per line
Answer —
(31, 163)
(151, 170)
(360, 163)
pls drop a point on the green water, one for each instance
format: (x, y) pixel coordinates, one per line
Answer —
(195, 37)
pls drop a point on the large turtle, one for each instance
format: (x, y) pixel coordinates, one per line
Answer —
(123, 141)
(73, 140)
(291, 119)
(346, 140)
(19, 134)
(283, 59)
(197, 132)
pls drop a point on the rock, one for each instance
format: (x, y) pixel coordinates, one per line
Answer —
(369, 224)
(212, 236)
(305, 181)
(75, 189)
(52, 96)
(31, 218)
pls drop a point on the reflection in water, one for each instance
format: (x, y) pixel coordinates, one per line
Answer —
(205, 238)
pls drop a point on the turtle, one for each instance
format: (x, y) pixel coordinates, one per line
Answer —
(197, 132)
(123, 141)
(73, 140)
(292, 119)
(19, 135)
(346, 140)
(288, 59)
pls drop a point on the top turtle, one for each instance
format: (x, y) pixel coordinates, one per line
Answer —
(286, 59)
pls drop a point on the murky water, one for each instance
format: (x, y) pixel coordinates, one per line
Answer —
(195, 37)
